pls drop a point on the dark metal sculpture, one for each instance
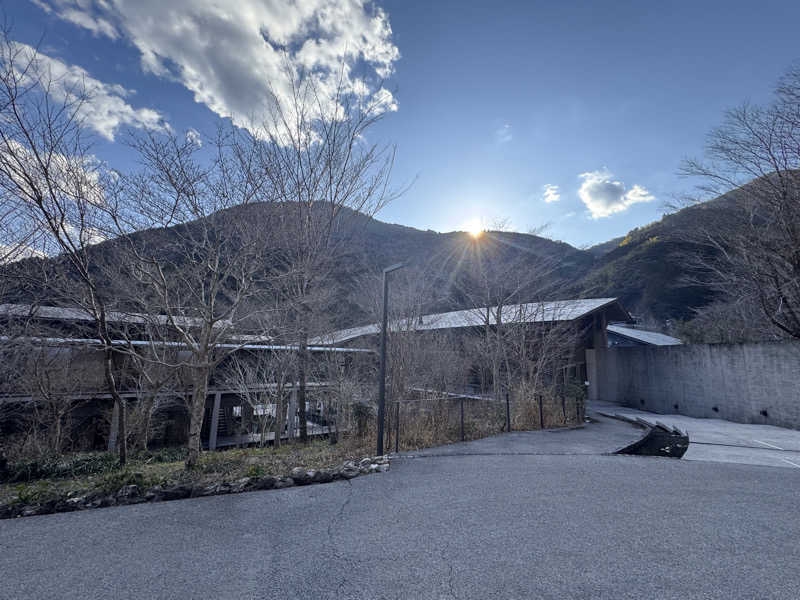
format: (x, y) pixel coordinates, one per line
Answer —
(658, 439)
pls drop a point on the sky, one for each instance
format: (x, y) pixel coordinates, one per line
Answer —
(568, 116)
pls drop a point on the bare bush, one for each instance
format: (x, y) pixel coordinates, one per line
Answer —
(49, 385)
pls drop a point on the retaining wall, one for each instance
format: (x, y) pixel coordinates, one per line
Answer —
(745, 383)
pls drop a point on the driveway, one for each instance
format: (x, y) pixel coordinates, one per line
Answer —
(724, 441)
(525, 515)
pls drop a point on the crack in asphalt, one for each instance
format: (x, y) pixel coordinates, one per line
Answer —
(450, 576)
(350, 563)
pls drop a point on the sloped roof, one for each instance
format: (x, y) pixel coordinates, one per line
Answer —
(646, 337)
(61, 313)
(60, 341)
(532, 312)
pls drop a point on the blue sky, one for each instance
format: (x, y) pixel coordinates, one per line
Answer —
(500, 106)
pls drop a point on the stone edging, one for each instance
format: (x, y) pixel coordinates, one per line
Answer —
(132, 494)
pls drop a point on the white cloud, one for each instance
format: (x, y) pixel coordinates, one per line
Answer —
(193, 137)
(504, 134)
(79, 16)
(78, 190)
(105, 110)
(233, 55)
(27, 173)
(604, 196)
(88, 236)
(551, 193)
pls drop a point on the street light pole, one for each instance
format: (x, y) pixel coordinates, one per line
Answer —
(382, 381)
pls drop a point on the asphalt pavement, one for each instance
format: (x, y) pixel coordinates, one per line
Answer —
(521, 515)
(718, 440)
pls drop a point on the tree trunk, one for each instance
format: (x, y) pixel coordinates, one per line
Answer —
(279, 410)
(122, 428)
(148, 418)
(57, 434)
(196, 416)
(333, 422)
(302, 359)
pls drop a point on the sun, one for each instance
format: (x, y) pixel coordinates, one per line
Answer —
(474, 228)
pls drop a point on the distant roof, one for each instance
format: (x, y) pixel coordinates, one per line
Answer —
(531, 312)
(54, 341)
(62, 313)
(646, 337)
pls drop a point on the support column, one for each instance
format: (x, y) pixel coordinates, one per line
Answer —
(592, 375)
(212, 432)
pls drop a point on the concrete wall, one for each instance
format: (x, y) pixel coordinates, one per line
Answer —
(746, 383)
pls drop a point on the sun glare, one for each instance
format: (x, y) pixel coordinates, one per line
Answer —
(474, 228)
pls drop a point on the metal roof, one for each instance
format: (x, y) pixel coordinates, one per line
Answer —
(60, 341)
(531, 312)
(646, 337)
(62, 313)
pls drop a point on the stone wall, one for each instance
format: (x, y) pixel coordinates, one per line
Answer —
(746, 383)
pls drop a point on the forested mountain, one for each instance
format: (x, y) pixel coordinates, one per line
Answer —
(647, 269)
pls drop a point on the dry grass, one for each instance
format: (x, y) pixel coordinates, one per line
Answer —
(423, 424)
(426, 423)
(213, 467)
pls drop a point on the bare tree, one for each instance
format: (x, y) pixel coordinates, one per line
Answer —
(201, 282)
(45, 383)
(54, 190)
(513, 346)
(751, 251)
(424, 367)
(263, 379)
(328, 179)
(154, 381)
(502, 274)
(350, 391)
(728, 321)
(539, 346)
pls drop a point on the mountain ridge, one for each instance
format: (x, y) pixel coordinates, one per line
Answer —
(646, 269)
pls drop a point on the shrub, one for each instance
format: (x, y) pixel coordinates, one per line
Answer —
(61, 466)
(255, 471)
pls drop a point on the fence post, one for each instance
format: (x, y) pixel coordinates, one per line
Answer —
(397, 427)
(462, 419)
(508, 414)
